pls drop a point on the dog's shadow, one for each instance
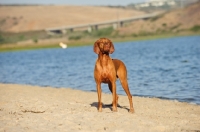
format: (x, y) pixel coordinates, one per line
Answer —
(95, 104)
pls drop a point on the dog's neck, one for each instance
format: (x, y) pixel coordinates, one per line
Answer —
(103, 57)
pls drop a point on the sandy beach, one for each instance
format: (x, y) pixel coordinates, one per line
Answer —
(25, 108)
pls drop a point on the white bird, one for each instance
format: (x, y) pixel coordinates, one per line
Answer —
(64, 46)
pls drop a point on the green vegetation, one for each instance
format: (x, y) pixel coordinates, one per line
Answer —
(103, 32)
(195, 28)
(176, 26)
(35, 40)
(2, 39)
(78, 37)
(31, 47)
(164, 24)
(2, 21)
(94, 34)
(23, 36)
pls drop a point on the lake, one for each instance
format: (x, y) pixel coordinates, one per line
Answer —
(165, 68)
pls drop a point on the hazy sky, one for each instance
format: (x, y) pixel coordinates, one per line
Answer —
(73, 2)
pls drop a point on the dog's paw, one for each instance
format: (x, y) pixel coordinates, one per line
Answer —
(114, 109)
(131, 110)
(100, 110)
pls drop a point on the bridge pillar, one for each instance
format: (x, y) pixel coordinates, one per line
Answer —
(89, 29)
(118, 24)
(121, 24)
(96, 27)
(63, 31)
(71, 29)
(115, 26)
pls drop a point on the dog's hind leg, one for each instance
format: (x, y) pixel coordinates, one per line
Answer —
(123, 79)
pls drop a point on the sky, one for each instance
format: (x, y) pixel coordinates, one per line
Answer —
(73, 2)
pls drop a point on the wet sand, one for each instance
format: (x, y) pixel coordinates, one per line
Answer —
(27, 108)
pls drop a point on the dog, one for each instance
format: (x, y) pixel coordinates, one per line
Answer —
(107, 71)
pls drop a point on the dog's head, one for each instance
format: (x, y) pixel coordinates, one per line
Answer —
(104, 45)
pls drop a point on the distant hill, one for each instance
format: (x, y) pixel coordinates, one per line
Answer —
(172, 21)
(25, 24)
(32, 18)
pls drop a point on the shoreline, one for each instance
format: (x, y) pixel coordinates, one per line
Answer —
(94, 91)
(34, 108)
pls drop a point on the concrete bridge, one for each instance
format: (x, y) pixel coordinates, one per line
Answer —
(95, 26)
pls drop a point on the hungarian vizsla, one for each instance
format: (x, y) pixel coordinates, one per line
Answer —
(107, 70)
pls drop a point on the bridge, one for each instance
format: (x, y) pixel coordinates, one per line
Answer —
(95, 26)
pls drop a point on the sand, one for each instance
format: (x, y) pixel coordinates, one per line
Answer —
(25, 108)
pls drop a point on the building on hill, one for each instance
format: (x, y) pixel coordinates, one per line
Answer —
(161, 4)
(156, 3)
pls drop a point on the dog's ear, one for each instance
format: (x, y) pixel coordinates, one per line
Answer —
(112, 48)
(96, 47)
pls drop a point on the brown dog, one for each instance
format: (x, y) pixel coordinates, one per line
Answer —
(107, 70)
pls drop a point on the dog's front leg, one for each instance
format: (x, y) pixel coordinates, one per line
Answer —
(99, 97)
(114, 94)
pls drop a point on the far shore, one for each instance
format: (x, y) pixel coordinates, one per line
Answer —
(87, 42)
(28, 108)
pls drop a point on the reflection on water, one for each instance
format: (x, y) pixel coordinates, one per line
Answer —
(166, 68)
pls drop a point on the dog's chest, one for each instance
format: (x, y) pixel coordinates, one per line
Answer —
(104, 68)
(105, 75)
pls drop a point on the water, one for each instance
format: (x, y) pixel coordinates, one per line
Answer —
(165, 68)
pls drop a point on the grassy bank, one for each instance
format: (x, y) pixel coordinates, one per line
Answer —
(89, 41)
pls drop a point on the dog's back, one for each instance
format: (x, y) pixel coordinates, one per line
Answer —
(120, 69)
